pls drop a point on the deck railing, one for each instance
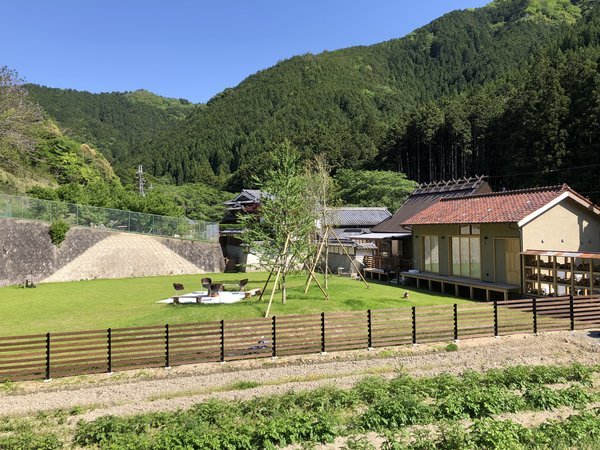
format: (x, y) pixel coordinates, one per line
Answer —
(387, 263)
(16, 207)
(107, 350)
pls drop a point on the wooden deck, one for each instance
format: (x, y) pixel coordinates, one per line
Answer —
(379, 274)
(457, 282)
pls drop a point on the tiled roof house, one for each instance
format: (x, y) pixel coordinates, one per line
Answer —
(482, 241)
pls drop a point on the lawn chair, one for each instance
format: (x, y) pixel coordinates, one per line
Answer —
(214, 289)
(242, 285)
(178, 287)
(206, 282)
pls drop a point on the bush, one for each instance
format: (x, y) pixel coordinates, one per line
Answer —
(477, 402)
(396, 412)
(452, 347)
(58, 231)
(30, 440)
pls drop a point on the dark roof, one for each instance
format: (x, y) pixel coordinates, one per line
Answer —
(365, 217)
(246, 197)
(428, 194)
(500, 207)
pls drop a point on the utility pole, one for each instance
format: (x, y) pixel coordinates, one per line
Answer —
(141, 181)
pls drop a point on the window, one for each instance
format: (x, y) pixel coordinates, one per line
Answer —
(466, 256)
(470, 229)
(431, 254)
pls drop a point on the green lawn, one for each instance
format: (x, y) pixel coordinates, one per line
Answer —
(87, 305)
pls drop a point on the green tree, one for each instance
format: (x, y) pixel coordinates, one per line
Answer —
(373, 188)
(18, 117)
(280, 235)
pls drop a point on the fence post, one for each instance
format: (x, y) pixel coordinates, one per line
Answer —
(455, 322)
(323, 351)
(496, 318)
(369, 330)
(414, 325)
(48, 378)
(167, 356)
(109, 356)
(222, 341)
(274, 339)
(534, 309)
(572, 312)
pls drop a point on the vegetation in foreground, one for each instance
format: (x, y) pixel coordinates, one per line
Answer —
(88, 305)
(441, 412)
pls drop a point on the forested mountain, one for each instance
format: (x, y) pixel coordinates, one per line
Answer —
(537, 126)
(37, 158)
(33, 151)
(117, 123)
(511, 90)
(429, 104)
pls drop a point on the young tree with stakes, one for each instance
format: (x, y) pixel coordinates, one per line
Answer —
(280, 233)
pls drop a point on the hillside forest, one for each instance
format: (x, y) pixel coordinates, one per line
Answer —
(510, 90)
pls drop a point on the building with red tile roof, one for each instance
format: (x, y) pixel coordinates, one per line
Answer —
(497, 207)
(483, 241)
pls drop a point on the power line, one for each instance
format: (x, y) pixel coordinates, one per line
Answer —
(545, 171)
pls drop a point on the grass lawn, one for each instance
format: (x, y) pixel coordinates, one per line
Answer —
(96, 304)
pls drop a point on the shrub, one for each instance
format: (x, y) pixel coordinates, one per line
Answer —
(395, 412)
(58, 231)
(242, 385)
(30, 440)
(452, 347)
(477, 402)
(501, 435)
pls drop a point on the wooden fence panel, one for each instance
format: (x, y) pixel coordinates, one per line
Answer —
(586, 312)
(194, 343)
(143, 347)
(299, 335)
(78, 353)
(23, 357)
(475, 320)
(346, 331)
(248, 339)
(553, 314)
(73, 353)
(515, 316)
(391, 327)
(435, 323)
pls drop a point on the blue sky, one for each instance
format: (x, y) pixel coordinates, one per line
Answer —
(190, 49)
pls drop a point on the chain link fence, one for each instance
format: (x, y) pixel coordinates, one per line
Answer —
(15, 207)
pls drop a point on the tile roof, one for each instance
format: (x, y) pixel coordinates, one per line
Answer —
(365, 217)
(508, 206)
(428, 194)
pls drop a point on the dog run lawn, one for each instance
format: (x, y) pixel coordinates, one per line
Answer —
(97, 304)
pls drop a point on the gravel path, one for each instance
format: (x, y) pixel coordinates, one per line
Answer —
(181, 387)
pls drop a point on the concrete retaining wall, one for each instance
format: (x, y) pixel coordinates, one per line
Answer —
(26, 252)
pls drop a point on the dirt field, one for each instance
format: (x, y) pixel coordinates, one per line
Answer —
(178, 388)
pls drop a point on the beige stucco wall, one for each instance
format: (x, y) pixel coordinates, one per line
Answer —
(489, 232)
(567, 226)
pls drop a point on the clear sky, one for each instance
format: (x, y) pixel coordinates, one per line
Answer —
(190, 49)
